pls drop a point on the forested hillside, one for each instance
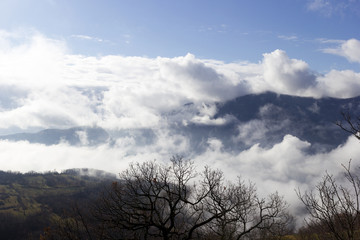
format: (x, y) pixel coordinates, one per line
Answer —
(32, 201)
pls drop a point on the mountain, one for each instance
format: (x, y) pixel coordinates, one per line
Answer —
(73, 136)
(309, 119)
(252, 119)
(266, 118)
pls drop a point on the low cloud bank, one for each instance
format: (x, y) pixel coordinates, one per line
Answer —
(282, 167)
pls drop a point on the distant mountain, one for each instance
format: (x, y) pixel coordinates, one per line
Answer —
(309, 119)
(73, 136)
(259, 118)
(266, 118)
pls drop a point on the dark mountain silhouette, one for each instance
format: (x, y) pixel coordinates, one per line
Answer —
(258, 118)
(266, 118)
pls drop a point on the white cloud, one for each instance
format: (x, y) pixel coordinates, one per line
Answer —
(83, 137)
(320, 5)
(255, 131)
(288, 38)
(326, 40)
(285, 75)
(112, 157)
(284, 167)
(333, 7)
(251, 132)
(23, 156)
(205, 116)
(64, 90)
(42, 85)
(86, 37)
(341, 84)
(349, 49)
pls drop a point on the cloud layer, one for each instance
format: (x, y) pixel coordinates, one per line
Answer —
(43, 85)
(284, 167)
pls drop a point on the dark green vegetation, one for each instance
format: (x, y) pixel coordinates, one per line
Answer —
(149, 202)
(32, 201)
(174, 201)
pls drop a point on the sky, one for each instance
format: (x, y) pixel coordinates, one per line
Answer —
(227, 30)
(126, 64)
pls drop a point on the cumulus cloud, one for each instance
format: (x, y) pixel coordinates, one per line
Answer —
(282, 74)
(197, 81)
(341, 84)
(43, 85)
(349, 49)
(58, 89)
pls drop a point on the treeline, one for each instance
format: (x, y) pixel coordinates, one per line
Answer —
(156, 201)
(30, 202)
(169, 201)
(174, 201)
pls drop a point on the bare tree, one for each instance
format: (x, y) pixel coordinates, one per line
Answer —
(154, 201)
(157, 201)
(351, 124)
(335, 208)
(174, 201)
(249, 216)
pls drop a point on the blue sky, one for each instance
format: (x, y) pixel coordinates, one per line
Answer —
(227, 30)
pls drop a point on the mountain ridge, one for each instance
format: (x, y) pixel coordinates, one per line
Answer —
(256, 118)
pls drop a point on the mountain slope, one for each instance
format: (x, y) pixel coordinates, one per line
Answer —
(73, 136)
(29, 202)
(263, 118)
